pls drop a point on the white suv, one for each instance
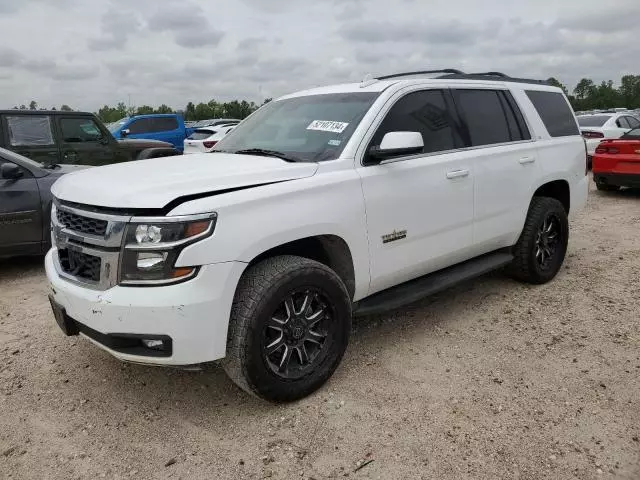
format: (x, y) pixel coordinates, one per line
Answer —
(343, 200)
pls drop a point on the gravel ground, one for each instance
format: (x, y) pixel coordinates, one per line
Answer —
(492, 379)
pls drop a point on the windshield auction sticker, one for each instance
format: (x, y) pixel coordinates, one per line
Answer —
(326, 126)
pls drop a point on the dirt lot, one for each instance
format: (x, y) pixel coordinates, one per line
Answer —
(490, 380)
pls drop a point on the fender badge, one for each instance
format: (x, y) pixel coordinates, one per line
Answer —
(393, 236)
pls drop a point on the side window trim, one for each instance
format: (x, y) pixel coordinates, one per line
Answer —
(525, 133)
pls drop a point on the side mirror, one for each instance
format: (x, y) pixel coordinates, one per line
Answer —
(125, 132)
(397, 144)
(10, 171)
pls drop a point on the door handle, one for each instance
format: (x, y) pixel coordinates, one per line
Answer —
(457, 174)
(525, 160)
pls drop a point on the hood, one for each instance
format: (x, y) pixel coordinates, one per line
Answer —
(134, 144)
(68, 168)
(153, 183)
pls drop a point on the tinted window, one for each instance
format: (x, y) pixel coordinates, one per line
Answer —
(555, 113)
(165, 124)
(76, 130)
(633, 134)
(485, 116)
(201, 134)
(593, 120)
(622, 123)
(633, 122)
(425, 112)
(29, 130)
(142, 125)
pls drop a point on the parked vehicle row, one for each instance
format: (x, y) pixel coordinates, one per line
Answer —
(58, 137)
(599, 126)
(341, 200)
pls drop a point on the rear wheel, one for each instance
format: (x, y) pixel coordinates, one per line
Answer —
(542, 246)
(289, 328)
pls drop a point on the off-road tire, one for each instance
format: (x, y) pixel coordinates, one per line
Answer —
(259, 291)
(525, 266)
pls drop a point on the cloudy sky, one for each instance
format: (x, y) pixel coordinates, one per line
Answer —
(90, 53)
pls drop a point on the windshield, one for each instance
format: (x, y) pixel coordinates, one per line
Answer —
(313, 128)
(593, 120)
(115, 126)
(201, 134)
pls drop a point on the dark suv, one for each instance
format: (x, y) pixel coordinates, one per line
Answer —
(80, 138)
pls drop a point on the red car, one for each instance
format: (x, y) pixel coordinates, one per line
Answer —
(616, 163)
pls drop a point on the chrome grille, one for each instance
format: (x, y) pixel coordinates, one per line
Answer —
(80, 264)
(80, 224)
(88, 245)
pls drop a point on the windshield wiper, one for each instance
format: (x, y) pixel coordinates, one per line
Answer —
(268, 153)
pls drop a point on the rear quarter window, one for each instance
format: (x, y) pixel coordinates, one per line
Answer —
(554, 112)
(29, 130)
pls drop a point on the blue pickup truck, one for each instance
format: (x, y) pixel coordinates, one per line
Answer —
(165, 127)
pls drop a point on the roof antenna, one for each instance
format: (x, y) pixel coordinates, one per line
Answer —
(367, 80)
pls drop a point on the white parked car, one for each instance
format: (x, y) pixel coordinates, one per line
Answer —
(341, 200)
(600, 126)
(204, 139)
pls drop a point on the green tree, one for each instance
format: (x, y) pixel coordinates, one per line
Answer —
(584, 88)
(66, 108)
(630, 90)
(190, 111)
(33, 105)
(164, 109)
(144, 110)
(556, 83)
(22, 107)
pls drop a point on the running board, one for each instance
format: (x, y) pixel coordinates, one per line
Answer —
(414, 290)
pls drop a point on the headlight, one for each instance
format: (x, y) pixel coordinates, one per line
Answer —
(152, 246)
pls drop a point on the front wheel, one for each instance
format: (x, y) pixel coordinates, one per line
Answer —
(289, 328)
(542, 246)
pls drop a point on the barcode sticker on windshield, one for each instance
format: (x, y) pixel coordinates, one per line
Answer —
(326, 126)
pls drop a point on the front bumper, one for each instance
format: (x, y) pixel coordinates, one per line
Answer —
(194, 315)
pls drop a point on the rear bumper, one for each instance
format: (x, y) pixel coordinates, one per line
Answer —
(618, 179)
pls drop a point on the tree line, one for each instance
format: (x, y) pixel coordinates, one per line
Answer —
(586, 95)
(589, 96)
(239, 109)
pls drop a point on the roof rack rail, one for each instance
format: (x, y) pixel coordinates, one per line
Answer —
(493, 74)
(452, 71)
(498, 76)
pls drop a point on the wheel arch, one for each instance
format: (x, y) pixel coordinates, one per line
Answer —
(329, 249)
(558, 189)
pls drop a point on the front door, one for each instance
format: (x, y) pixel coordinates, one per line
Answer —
(84, 143)
(20, 214)
(31, 135)
(419, 208)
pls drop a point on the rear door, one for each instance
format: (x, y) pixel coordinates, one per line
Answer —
(83, 142)
(20, 214)
(32, 136)
(504, 159)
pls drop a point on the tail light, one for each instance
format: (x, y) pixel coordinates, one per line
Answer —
(589, 134)
(209, 144)
(607, 150)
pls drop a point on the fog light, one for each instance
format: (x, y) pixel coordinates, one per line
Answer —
(153, 344)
